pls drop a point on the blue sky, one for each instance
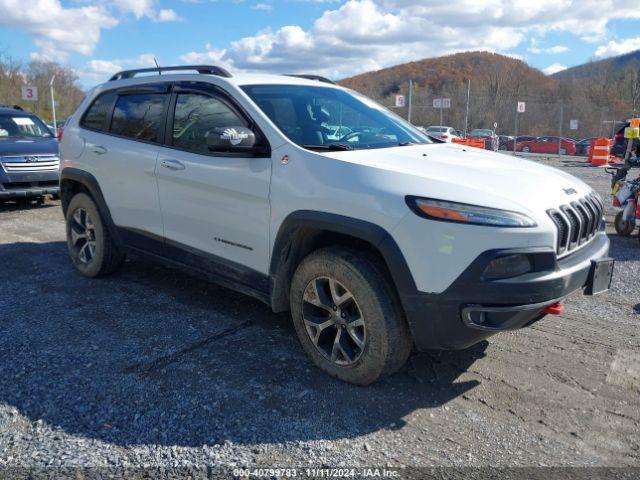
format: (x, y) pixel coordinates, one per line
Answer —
(336, 38)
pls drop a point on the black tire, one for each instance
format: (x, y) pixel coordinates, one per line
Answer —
(387, 340)
(106, 257)
(623, 228)
(563, 151)
(525, 149)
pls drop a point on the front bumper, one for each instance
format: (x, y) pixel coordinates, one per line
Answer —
(472, 309)
(29, 184)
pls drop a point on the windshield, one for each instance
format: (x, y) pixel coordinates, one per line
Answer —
(330, 118)
(22, 126)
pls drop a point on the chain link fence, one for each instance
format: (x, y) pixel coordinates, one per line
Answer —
(541, 116)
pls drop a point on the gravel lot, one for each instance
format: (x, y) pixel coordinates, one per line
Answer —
(152, 367)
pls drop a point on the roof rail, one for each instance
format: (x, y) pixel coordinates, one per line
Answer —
(15, 107)
(204, 69)
(311, 77)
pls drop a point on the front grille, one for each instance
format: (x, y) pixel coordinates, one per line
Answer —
(577, 222)
(30, 163)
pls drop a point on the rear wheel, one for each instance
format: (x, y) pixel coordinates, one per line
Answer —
(91, 248)
(347, 316)
(623, 227)
(563, 151)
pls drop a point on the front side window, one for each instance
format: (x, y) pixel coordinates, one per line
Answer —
(328, 118)
(96, 116)
(22, 126)
(139, 116)
(197, 115)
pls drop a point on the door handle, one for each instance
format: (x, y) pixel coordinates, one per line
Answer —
(100, 150)
(172, 164)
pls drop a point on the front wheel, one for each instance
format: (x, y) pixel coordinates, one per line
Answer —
(347, 316)
(623, 227)
(526, 149)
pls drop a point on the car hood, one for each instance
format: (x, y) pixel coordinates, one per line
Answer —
(10, 147)
(471, 175)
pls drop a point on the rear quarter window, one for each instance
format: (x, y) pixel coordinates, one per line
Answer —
(95, 118)
(139, 116)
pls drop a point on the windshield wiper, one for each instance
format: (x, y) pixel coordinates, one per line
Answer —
(329, 146)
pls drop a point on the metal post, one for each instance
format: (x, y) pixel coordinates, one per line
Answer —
(410, 99)
(53, 105)
(515, 133)
(441, 112)
(466, 115)
(560, 135)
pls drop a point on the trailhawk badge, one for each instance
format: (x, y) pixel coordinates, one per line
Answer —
(234, 137)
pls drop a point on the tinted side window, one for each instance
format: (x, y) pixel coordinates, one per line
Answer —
(195, 116)
(95, 118)
(139, 116)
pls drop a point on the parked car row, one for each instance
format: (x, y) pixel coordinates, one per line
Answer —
(546, 144)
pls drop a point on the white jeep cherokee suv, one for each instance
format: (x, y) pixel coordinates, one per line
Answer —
(376, 241)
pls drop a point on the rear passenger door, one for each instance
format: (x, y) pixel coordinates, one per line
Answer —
(215, 206)
(123, 156)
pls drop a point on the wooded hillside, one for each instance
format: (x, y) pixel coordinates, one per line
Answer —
(14, 75)
(498, 82)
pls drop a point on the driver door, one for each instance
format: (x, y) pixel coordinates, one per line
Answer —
(215, 206)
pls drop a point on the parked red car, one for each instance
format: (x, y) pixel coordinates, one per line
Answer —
(548, 145)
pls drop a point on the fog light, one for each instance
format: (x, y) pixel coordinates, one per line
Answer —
(507, 267)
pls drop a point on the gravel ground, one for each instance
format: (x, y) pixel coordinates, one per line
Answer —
(151, 367)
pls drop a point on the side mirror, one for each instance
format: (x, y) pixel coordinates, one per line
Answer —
(231, 139)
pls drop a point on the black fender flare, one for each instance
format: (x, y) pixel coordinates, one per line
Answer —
(287, 238)
(89, 182)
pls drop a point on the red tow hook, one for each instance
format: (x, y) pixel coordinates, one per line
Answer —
(554, 309)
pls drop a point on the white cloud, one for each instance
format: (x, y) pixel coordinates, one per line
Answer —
(554, 68)
(360, 35)
(146, 8)
(267, 7)
(536, 50)
(621, 47)
(99, 70)
(56, 30)
(59, 31)
(166, 15)
(139, 8)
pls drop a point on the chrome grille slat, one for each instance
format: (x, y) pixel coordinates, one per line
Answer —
(38, 163)
(576, 222)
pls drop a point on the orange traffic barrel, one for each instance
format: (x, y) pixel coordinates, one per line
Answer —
(599, 151)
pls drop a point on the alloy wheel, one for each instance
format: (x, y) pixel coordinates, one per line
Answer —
(333, 320)
(83, 235)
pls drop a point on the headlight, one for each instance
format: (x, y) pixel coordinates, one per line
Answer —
(465, 213)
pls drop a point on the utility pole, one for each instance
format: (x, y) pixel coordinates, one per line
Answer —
(53, 105)
(441, 110)
(560, 129)
(515, 133)
(466, 115)
(410, 99)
